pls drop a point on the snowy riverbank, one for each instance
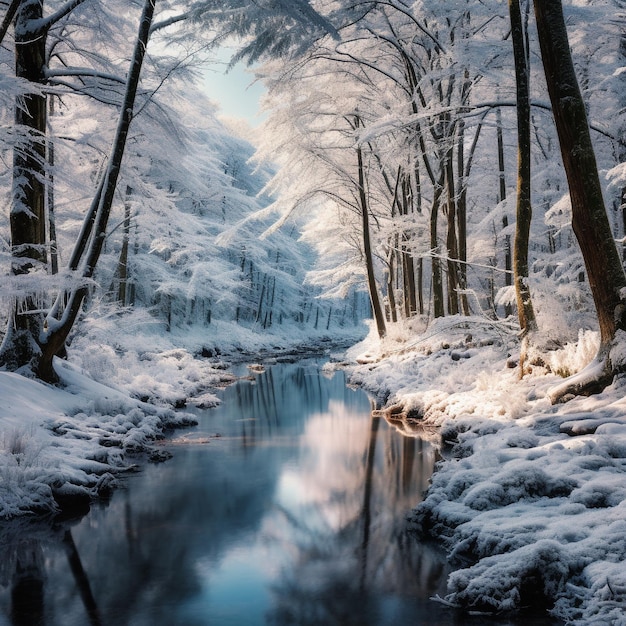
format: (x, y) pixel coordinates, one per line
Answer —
(530, 499)
(61, 446)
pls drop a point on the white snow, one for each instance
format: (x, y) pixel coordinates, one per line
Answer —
(530, 498)
(70, 440)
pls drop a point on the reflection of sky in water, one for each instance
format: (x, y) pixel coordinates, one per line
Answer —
(319, 495)
(237, 587)
(233, 588)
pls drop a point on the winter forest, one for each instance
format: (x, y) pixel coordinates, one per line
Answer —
(440, 185)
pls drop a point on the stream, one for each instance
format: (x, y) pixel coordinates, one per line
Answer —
(286, 505)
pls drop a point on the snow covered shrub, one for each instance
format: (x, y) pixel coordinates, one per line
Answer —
(99, 361)
(23, 485)
(18, 446)
(574, 356)
(521, 480)
(498, 583)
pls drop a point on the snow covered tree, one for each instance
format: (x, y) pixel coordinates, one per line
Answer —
(28, 215)
(589, 218)
(64, 312)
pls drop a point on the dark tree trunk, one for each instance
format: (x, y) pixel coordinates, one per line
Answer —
(452, 240)
(28, 217)
(122, 265)
(377, 310)
(508, 261)
(391, 279)
(28, 222)
(437, 285)
(408, 268)
(461, 218)
(52, 226)
(525, 310)
(69, 304)
(589, 218)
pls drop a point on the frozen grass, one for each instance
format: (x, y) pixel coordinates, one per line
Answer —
(70, 442)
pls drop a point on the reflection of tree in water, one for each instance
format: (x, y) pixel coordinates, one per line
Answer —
(27, 584)
(281, 404)
(25, 547)
(337, 603)
(341, 571)
(150, 539)
(336, 534)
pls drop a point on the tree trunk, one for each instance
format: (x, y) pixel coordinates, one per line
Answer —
(122, 265)
(377, 311)
(391, 279)
(57, 328)
(508, 261)
(589, 218)
(27, 216)
(437, 286)
(452, 246)
(461, 218)
(408, 268)
(525, 310)
(52, 226)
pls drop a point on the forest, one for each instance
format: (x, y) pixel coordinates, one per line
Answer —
(406, 148)
(450, 170)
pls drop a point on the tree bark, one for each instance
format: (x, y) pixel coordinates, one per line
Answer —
(437, 285)
(52, 226)
(408, 266)
(377, 310)
(525, 310)
(57, 328)
(122, 266)
(589, 218)
(452, 246)
(27, 216)
(461, 217)
(508, 261)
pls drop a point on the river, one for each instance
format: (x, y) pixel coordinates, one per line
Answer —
(286, 505)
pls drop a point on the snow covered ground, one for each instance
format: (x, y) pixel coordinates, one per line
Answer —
(70, 442)
(529, 498)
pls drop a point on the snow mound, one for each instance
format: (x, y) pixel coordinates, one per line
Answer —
(63, 446)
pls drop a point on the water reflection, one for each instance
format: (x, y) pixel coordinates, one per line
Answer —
(293, 515)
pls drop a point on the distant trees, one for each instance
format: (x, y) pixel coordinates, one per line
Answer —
(407, 77)
(61, 56)
(426, 82)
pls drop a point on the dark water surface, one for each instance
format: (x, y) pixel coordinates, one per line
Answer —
(295, 514)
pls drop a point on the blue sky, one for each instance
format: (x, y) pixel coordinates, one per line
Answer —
(233, 91)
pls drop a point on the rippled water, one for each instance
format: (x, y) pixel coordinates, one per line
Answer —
(294, 514)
